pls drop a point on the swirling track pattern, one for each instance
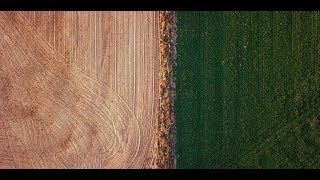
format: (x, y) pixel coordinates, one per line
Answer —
(69, 99)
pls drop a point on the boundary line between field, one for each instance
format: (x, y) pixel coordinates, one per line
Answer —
(166, 118)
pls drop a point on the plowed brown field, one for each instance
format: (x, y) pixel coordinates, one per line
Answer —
(79, 89)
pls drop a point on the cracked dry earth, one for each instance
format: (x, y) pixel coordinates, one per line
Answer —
(78, 89)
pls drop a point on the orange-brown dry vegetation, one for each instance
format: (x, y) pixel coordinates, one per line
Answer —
(166, 132)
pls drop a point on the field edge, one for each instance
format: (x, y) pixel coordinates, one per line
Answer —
(166, 119)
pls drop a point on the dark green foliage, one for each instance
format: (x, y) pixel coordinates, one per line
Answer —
(248, 90)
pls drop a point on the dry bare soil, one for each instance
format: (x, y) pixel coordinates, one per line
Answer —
(78, 89)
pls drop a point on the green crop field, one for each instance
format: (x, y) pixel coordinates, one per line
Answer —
(248, 90)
